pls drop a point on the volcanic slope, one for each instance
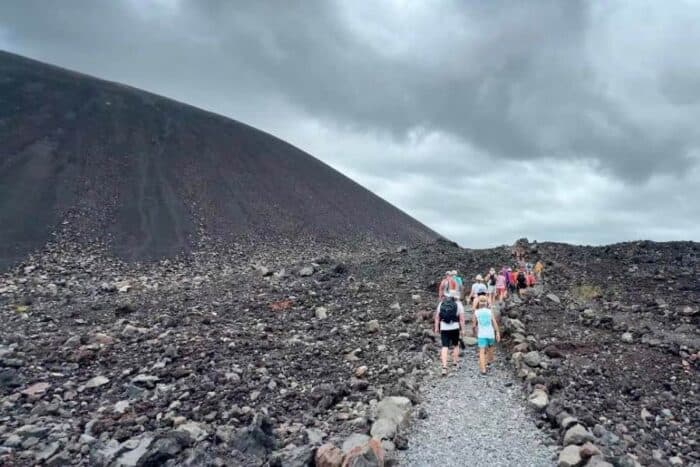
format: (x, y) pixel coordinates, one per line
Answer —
(151, 175)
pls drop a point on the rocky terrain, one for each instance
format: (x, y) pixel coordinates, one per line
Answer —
(616, 345)
(250, 357)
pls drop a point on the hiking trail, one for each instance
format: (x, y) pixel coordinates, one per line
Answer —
(476, 420)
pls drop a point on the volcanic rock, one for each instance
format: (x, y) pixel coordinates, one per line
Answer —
(329, 455)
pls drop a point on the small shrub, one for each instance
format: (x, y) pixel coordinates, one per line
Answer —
(586, 292)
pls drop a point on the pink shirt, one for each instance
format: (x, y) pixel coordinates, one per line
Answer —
(501, 282)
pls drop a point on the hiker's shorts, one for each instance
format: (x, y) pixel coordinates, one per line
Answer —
(449, 338)
(484, 342)
(492, 289)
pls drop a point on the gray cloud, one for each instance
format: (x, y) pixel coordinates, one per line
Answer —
(397, 93)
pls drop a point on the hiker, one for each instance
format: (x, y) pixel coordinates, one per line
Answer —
(521, 280)
(485, 328)
(447, 285)
(478, 288)
(501, 286)
(460, 284)
(539, 268)
(449, 322)
(530, 279)
(491, 284)
(512, 280)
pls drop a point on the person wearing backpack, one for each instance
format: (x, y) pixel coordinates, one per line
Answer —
(449, 322)
(448, 285)
(491, 285)
(485, 328)
(521, 280)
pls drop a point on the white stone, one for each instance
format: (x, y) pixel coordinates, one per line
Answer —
(195, 430)
(321, 312)
(570, 457)
(577, 434)
(96, 382)
(538, 400)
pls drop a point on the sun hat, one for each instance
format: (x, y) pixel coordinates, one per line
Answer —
(479, 277)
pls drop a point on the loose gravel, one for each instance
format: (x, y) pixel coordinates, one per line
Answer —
(477, 421)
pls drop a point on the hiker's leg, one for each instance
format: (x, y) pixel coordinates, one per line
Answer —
(455, 354)
(482, 359)
(443, 356)
(490, 354)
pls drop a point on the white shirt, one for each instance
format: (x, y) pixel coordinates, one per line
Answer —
(454, 325)
(478, 287)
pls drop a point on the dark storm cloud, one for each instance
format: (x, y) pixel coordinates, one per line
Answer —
(511, 78)
(594, 105)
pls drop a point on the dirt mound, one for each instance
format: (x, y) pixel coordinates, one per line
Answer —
(94, 159)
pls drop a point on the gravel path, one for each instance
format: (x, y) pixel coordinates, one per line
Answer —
(483, 422)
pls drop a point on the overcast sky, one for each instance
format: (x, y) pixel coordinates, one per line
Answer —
(486, 120)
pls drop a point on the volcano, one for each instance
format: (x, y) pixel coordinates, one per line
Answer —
(150, 176)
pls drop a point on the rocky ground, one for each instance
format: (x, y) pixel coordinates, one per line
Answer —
(239, 358)
(476, 420)
(617, 345)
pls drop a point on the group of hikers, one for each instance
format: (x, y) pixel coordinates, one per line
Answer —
(485, 292)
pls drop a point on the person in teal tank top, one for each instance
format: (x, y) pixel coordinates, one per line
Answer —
(485, 328)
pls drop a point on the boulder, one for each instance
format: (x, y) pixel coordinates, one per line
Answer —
(314, 436)
(589, 450)
(373, 326)
(577, 434)
(195, 430)
(598, 461)
(165, 448)
(96, 382)
(394, 408)
(354, 440)
(255, 440)
(538, 400)
(532, 359)
(570, 457)
(553, 298)
(383, 428)
(306, 271)
(329, 455)
(136, 450)
(321, 312)
(36, 389)
(370, 454)
(294, 456)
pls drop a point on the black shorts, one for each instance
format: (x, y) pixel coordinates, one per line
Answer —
(449, 338)
(522, 285)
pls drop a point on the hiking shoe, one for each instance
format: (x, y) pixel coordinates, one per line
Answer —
(444, 371)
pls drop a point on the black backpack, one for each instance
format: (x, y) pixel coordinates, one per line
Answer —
(521, 277)
(448, 311)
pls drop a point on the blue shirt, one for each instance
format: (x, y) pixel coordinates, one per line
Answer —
(483, 319)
